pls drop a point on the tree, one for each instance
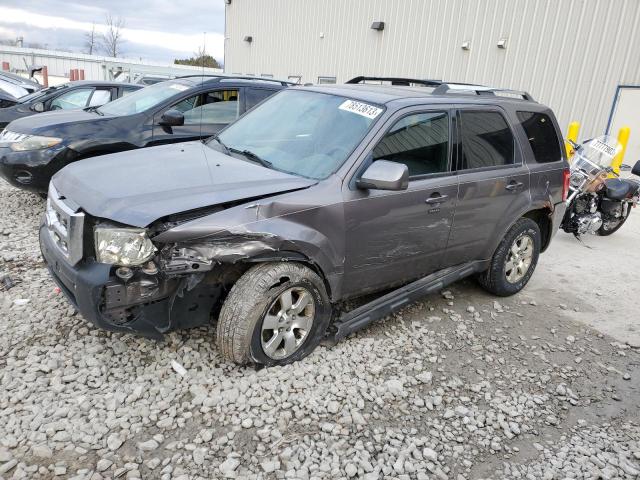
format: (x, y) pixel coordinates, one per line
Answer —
(112, 39)
(90, 40)
(200, 58)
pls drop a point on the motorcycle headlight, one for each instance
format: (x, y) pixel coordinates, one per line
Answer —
(123, 246)
(34, 142)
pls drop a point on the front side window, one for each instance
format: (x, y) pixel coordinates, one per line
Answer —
(100, 97)
(219, 107)
(487, 140)
(420, 141)
(302, 132)
(144, 99)
(542, 136)
(70, 100)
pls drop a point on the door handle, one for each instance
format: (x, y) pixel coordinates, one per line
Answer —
(436, 199)
(513, 186)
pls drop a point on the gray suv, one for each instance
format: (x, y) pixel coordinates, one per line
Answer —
(317, 195)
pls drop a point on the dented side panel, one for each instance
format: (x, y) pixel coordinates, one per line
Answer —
(309, 224)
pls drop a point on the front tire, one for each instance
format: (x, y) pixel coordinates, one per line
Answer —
(514, 261)
(275, 314)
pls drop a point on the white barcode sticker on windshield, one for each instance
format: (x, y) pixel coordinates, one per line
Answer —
(602, 147)
(360, 108)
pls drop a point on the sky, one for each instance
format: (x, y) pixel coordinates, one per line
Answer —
(155, 30)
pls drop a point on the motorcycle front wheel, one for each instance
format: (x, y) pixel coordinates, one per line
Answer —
(609, 228)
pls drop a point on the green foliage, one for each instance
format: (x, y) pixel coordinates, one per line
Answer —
(199, 61)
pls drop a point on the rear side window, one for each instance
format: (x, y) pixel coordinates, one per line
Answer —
(420, 141)
(487, 140)
(542, 136)
(254, 96)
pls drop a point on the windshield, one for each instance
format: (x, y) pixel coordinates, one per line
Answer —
(143, 99)
(302, 132)
(41, 93)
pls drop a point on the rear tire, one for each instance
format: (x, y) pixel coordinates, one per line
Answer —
(514, 261)
(275, 314)
(606, 232)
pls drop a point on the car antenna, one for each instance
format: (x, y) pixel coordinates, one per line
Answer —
(204, 49)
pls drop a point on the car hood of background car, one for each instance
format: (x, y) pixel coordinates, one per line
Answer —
(61, 123)
(140, 186)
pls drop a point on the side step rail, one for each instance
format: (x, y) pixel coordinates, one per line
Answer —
(382, 306)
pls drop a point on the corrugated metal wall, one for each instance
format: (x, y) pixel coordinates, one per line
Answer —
(569, 54)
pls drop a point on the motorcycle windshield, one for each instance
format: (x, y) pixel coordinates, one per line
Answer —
(597, 154)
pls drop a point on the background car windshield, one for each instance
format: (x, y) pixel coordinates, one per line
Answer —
(302, 132)
(143, 99)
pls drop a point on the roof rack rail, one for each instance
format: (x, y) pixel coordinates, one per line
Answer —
(239, 77)
(442, 88)
(397, 81)
(445, 88)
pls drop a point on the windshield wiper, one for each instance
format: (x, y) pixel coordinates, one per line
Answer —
(252, 156)
(94, 109)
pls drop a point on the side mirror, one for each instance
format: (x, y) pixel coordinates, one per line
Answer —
(636, 169)
(385, 175)
(172, 118)
(38, 107)
(625, 168)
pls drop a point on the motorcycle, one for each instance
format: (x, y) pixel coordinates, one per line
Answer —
(599, 202)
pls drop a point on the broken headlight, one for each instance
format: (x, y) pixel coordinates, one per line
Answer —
(123, 246)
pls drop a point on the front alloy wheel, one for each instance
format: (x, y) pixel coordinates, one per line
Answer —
(287, 323)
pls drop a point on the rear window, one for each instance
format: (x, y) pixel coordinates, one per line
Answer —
(542, 136)
(487, 140)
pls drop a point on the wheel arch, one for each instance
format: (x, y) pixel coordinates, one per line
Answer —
(543, 218)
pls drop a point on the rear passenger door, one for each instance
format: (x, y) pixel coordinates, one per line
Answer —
(394, 237)
(493, 184)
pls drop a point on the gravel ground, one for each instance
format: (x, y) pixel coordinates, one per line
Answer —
(458, 386)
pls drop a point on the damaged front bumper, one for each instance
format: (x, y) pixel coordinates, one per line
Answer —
(146, 304)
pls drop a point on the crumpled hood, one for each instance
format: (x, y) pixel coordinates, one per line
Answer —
(140, 186)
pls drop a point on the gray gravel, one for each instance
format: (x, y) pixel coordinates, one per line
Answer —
(458, 386)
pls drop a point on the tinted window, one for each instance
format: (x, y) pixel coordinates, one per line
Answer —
(219, 107)
(420, 141)
(486, 140)
(255, 95)
(70, 100)
(542, 136)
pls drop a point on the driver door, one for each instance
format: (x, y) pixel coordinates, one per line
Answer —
(398, 236)
(205, 114)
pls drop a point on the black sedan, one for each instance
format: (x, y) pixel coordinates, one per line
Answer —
(187, 108)
(68, 96)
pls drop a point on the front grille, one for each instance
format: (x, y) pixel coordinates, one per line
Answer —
(65, 223)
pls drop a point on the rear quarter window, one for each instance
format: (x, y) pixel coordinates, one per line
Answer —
(542, 136)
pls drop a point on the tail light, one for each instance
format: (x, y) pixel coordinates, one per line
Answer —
(566, 175)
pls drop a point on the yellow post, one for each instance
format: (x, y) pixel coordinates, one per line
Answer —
(623, 140)
(572, 134)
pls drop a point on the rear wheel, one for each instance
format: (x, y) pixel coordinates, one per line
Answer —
(515, 259)
(611, 227)
(275, 314)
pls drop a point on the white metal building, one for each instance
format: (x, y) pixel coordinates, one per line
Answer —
(580, 57)
(95, 67)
